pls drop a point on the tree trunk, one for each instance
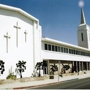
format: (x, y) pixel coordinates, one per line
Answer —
(20, 75)
(39, 73)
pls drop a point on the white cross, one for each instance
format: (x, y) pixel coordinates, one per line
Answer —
(17, 27)
(7, 37)
(25, 35)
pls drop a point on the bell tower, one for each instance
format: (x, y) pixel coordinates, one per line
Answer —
(83, 32)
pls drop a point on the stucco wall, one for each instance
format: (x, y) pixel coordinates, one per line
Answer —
(24, 51)
(63, 56)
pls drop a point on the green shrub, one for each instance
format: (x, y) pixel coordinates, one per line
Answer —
(11, 76)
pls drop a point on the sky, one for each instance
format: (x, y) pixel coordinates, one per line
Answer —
(59, 18)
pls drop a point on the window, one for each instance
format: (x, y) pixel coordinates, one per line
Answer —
(70, 51)
(55, 48)
(66, 50)
(61, 49)
(79, 52)
(82, 37)
(49, 47)
(52, 47)
(58, 49)
(89, 54)
(74, 51)
(86, 54)
(45, 46)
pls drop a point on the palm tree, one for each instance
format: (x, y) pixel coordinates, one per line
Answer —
(39, 66)
(2, 69)
(21, 67)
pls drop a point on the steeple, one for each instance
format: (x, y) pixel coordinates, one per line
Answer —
(83, 21)
(83, 32)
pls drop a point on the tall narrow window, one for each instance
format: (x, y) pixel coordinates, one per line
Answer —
(66, 50)
(52, 47)
(70, 51)
(45, 46)
(49, 47)
(55, 48)
(61, 49)
(82, 37)
(58, 49)
(74, 51)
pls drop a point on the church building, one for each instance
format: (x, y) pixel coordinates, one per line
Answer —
(21, 39)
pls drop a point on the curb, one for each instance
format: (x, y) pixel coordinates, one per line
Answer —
(36, 85)
(44, 84)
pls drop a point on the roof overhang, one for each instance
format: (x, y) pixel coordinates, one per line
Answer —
(45, 39)
(19, 11)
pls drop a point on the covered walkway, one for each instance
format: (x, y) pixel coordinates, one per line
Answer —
(65, 67)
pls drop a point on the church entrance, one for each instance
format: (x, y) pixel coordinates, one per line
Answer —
(45, 67)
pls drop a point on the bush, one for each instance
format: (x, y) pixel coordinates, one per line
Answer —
(11, 76)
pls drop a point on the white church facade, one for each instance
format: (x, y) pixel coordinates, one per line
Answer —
(21, 39)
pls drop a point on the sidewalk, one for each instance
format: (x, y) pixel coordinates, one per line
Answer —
(41, 82)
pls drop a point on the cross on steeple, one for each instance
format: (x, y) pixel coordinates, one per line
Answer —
(7, 37)
(17, 28)
(25, 35)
